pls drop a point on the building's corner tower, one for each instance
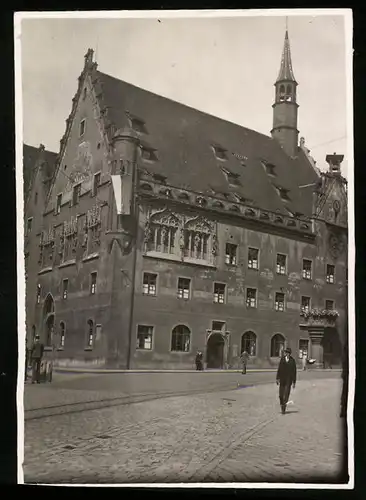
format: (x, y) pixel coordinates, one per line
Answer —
(285, 106)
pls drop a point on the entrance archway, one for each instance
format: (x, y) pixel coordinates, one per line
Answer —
(332, 347)
(215, 351)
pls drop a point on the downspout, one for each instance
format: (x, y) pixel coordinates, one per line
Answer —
(136, 213)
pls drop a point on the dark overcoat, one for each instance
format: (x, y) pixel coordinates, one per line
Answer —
(286, 372)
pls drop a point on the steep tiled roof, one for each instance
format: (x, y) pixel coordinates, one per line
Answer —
(31, 156)
(184, 139)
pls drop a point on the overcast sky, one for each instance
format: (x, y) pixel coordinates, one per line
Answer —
(223, 66)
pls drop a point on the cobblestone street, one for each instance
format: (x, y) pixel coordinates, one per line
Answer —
(236, 435)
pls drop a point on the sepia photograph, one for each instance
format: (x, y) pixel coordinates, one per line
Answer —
(185, 248)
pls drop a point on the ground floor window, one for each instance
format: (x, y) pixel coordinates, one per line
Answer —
(181, 338)
(62, 334)
(249, 343)
(144, 337)
(277, 345)
(90, 333)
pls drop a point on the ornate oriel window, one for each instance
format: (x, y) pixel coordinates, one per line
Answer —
(92, 230)
(69, 240)
(161, 233)
(181, 338)
(47, 247)
(175, 236)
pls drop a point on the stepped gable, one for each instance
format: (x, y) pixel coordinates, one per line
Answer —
(184, 139)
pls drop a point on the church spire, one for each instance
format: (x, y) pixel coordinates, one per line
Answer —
(286, 73)
(285, 106)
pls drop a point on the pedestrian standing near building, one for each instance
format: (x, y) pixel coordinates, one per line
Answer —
(244, 360)
(286, 376)
(36, 355)
(304, 360)
(199, 363)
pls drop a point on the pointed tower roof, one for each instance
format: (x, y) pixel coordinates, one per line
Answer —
(286, 72)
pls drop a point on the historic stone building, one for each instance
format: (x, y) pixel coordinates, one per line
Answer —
(159, 230)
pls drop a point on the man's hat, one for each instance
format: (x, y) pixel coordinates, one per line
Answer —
(288, 350)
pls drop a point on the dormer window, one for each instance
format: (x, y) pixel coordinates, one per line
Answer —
(220, 152)
(269, 167)
(231, 177)
(138, 125)
(283, 193)
(82, 128)
(148, 154)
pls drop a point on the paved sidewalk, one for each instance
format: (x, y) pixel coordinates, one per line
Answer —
(233, 436)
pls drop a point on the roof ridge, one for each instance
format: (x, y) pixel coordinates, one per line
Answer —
(185, 105)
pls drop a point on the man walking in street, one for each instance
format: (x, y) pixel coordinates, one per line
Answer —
(36, 356)
(304, 360)
(286, 376)
(244, 359)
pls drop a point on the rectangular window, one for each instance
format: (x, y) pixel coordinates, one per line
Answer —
(76, 190)
(305, 304)
(219, 293)
(93, 283)
(253, 258)
(58, 203)
(65, 288)
(330, 273)
(144, 337)
(281, 264)
(280, 301)
(149, 284)
(184, 285)
(219, 326)
(329, 305)
(29, 225)
(82, 128)
(303, 348)
(230, 254)
(306, 269)
(96, 183)
(251, 297)
(38, 293)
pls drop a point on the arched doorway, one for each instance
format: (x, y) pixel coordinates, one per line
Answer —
(332, 347)
(49, 319)
(215, 351)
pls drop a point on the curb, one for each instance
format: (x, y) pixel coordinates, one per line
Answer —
(102, 371)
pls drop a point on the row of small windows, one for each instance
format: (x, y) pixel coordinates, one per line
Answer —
(65, 287)
(90, 334)
(149, 287)
(281, 262)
